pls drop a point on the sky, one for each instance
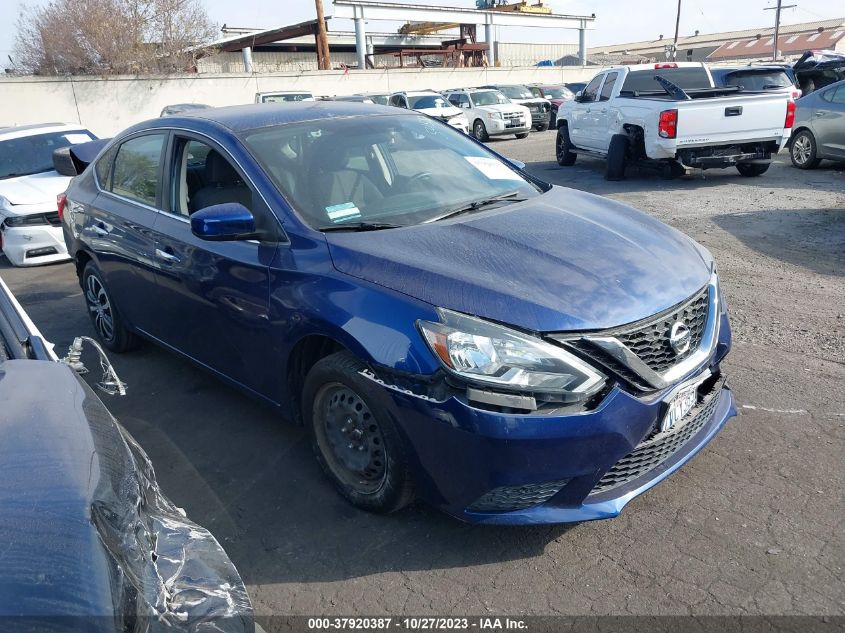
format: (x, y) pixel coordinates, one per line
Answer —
(617, 21)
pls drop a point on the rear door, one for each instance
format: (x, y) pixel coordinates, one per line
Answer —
(829, 122)
(213, 297)
(118, 225)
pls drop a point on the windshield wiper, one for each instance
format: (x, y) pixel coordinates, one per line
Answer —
(478, 204)
(360, 226)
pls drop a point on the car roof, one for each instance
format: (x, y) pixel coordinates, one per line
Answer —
(37, 128)
(247, 117)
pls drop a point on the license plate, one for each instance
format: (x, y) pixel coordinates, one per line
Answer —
(678, 407)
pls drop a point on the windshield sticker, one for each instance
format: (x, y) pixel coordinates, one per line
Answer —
(75, 139)
(339, 212)
(492, 168)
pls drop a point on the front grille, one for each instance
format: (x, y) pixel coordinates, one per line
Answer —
(510, 498)
(651, 453)
(650, 340)
(599, 356)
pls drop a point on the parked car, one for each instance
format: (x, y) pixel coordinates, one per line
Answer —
(432, 104)
(555, 94)
(672, 113)
(758, 78)
(29, 224)
(383, 280)
(283, 96)
(88, 535)
(353, 98)
(380, 98)
(539, 107)
(180, 108)
(819, 129)
(817, 69)
(490, 113)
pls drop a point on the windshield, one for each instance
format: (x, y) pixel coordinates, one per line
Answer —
(427, 101)
(516, 92)
(380, 99)
(34, 154)
(402, 170)
(300, 96)
(759, 79)
(561, 92)
(489, 97)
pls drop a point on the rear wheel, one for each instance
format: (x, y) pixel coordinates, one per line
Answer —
(523, 135)
(353, 436)
(542, 127)
(105, 316)
(479, 131)
(749, 170)
(802, 151)
(563, 148)
(617, 156)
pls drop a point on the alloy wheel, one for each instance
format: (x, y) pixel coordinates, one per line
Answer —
(802, 148)
(100, 307)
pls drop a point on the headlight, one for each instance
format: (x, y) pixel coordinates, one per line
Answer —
(494, 115)
(496, 356)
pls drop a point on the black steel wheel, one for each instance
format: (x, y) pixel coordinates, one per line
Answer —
(104, 314)
(563, 147)
(353, 435)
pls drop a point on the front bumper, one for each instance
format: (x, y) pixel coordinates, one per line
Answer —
(34, 245)
(496, 127)
(465, 454)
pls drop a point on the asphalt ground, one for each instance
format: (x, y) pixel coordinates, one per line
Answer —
(752, 525)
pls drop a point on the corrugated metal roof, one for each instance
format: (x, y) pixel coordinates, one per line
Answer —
(787, 44)
(692, 41)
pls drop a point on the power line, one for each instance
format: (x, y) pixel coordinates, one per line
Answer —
(777, 10)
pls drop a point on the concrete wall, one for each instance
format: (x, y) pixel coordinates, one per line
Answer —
(517, 54)
(108, 105)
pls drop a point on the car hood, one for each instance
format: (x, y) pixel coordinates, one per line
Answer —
(34, 189)
(441, 112)
(531, 101)
(87, 531)
(566, 260)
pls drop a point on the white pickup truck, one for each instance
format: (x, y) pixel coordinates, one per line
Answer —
(672, 113)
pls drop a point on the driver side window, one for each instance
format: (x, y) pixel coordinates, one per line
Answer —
(592, 90)
(204, 177)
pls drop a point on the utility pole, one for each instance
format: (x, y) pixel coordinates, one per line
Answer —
(777, 11)
(324, 57)
(677, 24)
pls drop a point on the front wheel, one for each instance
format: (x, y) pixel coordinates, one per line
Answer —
(542, 127)
(354, 437)
(480, 132)
(749, 170)
(802, 151)
(563, 148)
(104, 314)
(523, 135)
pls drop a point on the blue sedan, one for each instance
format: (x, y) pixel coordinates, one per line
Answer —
(445, 325)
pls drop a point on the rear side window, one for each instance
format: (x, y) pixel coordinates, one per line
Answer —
(136, 173)
(836, 95)
(607, 88)
(688, 78)
(103, 168)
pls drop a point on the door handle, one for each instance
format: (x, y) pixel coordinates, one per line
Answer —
(818, 113)
(604, 110)
(100, 229)
(168, 257)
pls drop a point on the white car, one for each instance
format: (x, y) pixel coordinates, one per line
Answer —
(30, 228)
(281, 96)
(434, 105)
(491, 113)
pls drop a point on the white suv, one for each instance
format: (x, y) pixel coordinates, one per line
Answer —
(491, 113)
(434, 105)
(30, 227)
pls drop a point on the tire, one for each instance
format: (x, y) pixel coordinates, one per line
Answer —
(353, 436)
(672, 169)
(105, 317)
(617, 156)
(523, 135)
(802, 150)
(479, 131)
(563, 148)
(543, 127)
(749, 170)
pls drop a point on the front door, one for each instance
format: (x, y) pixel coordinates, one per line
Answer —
(213, 296)
(582, 127)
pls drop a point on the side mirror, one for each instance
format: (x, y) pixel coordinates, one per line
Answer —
(516, 163)
(225, 222)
